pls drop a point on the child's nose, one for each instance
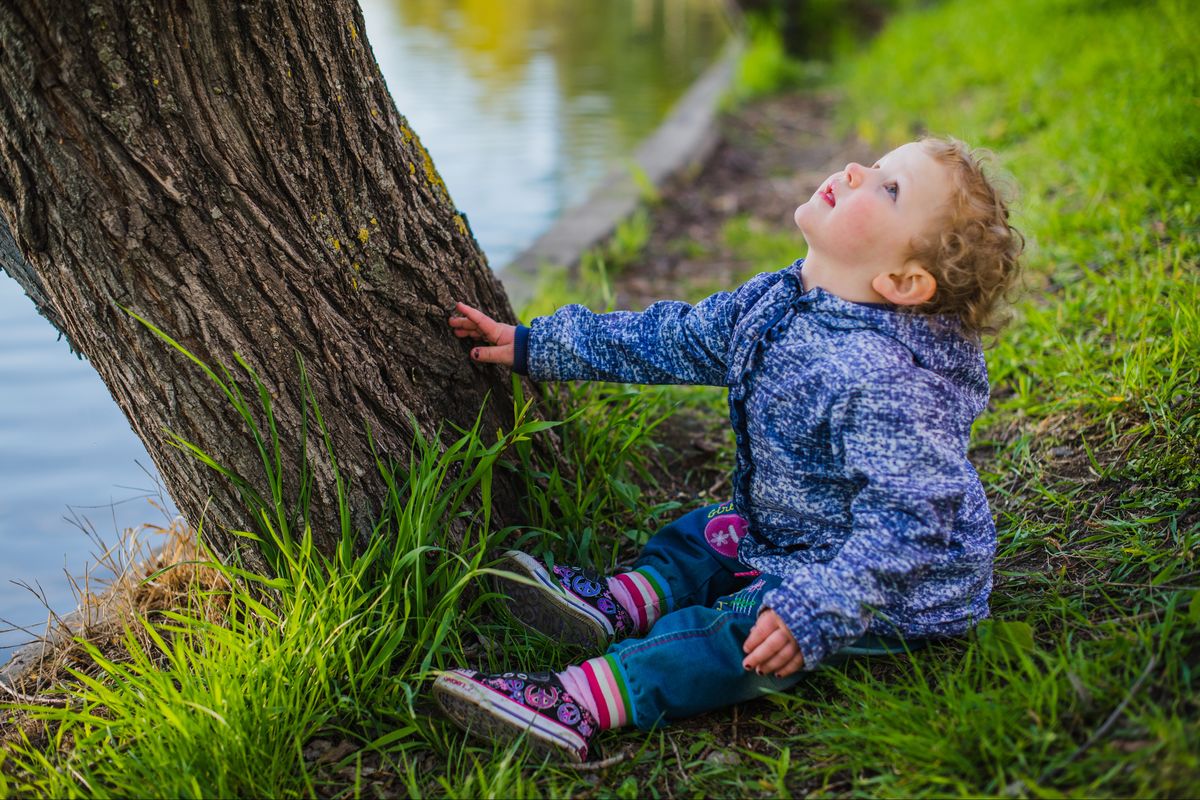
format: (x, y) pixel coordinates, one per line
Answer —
(854, 174)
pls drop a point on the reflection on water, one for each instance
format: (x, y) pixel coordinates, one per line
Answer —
(523, 104)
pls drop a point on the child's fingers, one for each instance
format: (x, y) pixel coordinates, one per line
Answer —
(476, 324)
(792, 666)
(468, 311)
(764, 651)
(786, 652)
(759, 656)
(502, 354)
(470, 322)
(463, 322)
(481, 320)
(762, 628)
(773, 648)
(463, 327)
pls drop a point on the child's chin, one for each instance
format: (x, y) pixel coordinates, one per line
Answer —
(799, 215)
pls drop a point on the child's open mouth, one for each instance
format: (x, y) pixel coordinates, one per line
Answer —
(828, 197)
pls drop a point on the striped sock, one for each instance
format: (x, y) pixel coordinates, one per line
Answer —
(575, 681)
(641, 596)
(597, 684)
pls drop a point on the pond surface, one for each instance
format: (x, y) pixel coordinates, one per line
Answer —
(524, 106)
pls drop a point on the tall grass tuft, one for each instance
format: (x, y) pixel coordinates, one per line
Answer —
(339, 644)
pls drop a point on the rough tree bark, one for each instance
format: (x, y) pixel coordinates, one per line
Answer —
(237, 174)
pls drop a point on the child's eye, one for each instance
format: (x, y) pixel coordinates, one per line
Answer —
(893, 189)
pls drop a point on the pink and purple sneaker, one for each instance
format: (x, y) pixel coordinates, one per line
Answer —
(565, 603)
(514, 704)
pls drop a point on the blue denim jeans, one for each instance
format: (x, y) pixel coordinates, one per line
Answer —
(690, 661)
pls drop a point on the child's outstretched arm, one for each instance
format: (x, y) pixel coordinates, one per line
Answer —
(668, 342)
(478, 325)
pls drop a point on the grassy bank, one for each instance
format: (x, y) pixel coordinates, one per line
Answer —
(1082, 683)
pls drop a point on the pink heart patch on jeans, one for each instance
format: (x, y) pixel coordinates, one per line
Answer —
(724, 532)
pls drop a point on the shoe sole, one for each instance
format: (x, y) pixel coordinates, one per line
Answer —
(544, 607)
(485, 713)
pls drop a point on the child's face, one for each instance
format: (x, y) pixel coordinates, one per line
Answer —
(862, 220)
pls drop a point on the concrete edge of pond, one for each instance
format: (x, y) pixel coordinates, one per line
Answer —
(686, 136)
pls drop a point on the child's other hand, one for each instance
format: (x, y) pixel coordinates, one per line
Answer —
(771, 647)
(478, 325)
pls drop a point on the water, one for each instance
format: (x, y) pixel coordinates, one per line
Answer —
(524, 106)
(68, 462)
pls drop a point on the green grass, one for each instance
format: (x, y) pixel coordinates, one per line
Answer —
(1084, 682)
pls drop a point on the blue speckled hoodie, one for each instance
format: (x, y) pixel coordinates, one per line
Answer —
(851, 422)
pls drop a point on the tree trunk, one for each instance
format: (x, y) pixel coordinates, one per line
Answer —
(237, 174)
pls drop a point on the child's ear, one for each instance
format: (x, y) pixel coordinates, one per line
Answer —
(911, 285)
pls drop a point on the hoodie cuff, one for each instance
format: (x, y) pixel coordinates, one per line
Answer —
(799, 624)
(521, 350)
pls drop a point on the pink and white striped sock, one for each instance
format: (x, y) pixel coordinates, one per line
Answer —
(574, 680)
(640, 595)
(597, 685)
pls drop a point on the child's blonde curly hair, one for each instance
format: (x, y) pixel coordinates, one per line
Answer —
(975, 252)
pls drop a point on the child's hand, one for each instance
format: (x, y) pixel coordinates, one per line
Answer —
(771, 647)
(477, 325)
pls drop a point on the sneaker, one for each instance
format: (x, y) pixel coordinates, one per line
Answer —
(567, 604)
(513, 704)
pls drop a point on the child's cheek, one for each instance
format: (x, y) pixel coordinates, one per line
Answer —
(858, 224)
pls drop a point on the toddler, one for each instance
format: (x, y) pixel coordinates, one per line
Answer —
(857, 524)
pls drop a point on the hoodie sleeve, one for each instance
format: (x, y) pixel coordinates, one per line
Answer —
(669, 342)
(905, 451)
